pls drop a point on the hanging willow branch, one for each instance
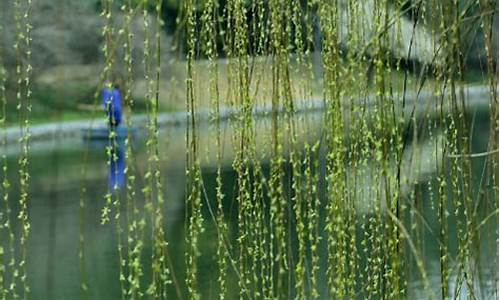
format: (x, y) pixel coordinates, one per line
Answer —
(335, 204)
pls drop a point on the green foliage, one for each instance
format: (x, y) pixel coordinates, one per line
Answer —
(334, 217)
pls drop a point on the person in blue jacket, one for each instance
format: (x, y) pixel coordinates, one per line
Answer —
(112, 102)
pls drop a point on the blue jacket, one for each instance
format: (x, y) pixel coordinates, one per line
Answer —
(112, 102)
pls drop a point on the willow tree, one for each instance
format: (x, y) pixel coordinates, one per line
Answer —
(371, 120)
(334, 210)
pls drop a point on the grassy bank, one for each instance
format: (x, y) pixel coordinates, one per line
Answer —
(60, 93)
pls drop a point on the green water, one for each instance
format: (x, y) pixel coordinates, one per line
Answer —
(57, 220)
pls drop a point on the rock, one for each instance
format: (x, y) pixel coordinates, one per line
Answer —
(421, 41)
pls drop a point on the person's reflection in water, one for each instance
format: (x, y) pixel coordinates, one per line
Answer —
(116, 176)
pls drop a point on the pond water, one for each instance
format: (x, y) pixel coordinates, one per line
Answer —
(57, 219)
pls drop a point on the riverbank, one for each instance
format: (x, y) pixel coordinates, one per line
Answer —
(477, 98)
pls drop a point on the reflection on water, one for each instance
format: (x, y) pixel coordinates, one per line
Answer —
(116, 161)
(55, 214)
